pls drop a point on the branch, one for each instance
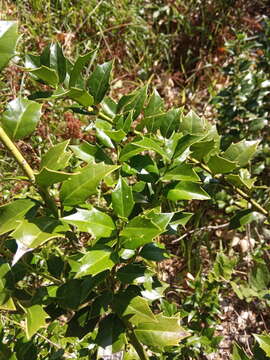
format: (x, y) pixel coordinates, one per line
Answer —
(204, 228)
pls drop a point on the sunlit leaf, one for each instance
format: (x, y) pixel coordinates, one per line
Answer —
(21, 118)
(8, 40)
(93, 221)
(186, 190)
(122, 199)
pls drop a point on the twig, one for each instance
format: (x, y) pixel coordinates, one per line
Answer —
(204, 228)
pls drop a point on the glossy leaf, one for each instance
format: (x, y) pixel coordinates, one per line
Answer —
(81, 96)
(30, 234)
(95, 261)
(12, 212)
(192, 124)
(111, 336)
(166, 331)
(35, 319)
(21, 118)
(155, 105)
(78, 67)
(89, 153)
(239, 353)
(133, 101)
(136, 309)
(184, 143)
(98, 82)
(264, 342)
(57, 157)
(145, 167)
(45, 74)
(167, 122)
(8, 40)
(93, 221)
(139, 231)
(131, 273)
(77, 189)
(241, 152)
(242, 180)
(186, 190)
(47, 177)
(140, 145)
(57, 61)
(183, 172)
(220, 165)
(154, 252)
(243, 217)
(122, 199)
(6, 302)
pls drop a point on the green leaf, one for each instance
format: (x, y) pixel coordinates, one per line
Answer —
(140, 145)
(96, 260)
(111, 336)
(220, 165)
(58, 61)
(264, 342)
(12, 212)
(192, 124)
(8, 40)
(202, 149)
(47, 177)
(186, 190)
(78, 67)
(116, 135)
(56, 157)
(30, 234)
(131, 273)
(242, 180)
(145, 167)
(239, 353)
(183, 172)
(98, 82)
(21, 118)
(139, 231)
(122, 199)
(180, 218)
(6, 302)
(184, 143)
(243, 217)
(89, 153)
(136, 309)
(133, 101)
(155, 105)
(241, 152)
(154, 252)
(77, 189)
(35, 319)
(109, 106)
(93, 221)
(167, 122)
(166, 331)
(45, 74)
(81, 96)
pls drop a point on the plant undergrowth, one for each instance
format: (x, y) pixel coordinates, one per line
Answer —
(94, 218)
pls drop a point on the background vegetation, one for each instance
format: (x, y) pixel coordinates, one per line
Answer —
(208, 56)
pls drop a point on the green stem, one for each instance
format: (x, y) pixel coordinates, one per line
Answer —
(27, 170)
(105, 117)
(17, 155)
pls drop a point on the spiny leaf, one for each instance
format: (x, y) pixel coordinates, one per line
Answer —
(21, 118)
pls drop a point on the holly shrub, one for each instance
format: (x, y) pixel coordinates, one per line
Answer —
(80, 248)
